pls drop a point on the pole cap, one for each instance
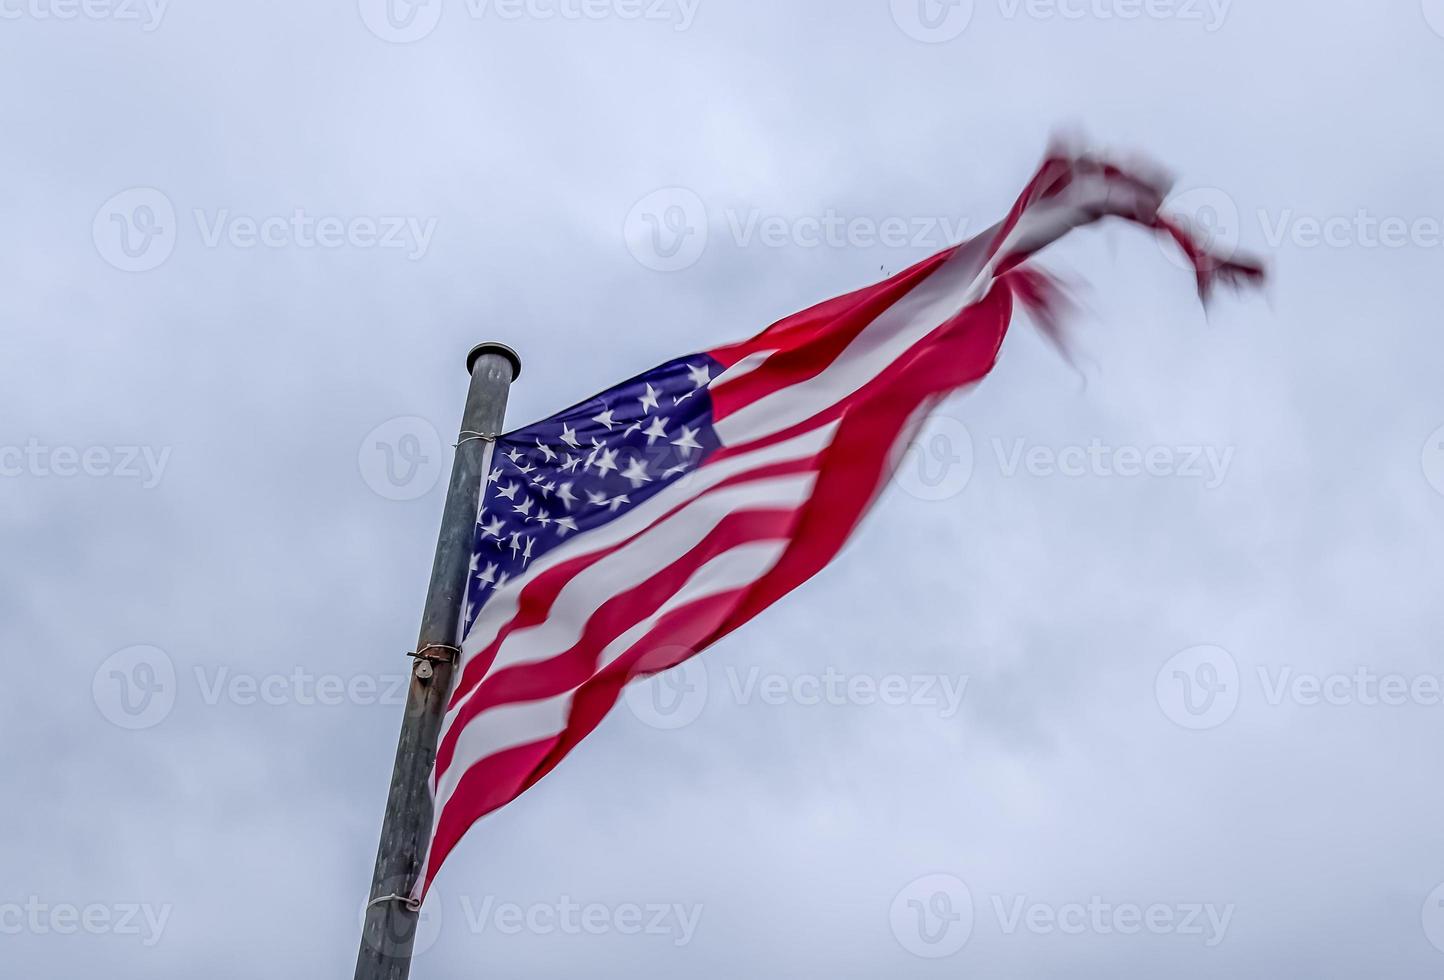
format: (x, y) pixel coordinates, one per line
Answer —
(501, 350)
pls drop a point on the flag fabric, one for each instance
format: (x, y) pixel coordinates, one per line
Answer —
(625, 534)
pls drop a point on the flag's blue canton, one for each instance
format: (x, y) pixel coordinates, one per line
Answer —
(587, 466)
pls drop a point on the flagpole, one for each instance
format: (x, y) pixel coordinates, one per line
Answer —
(389, 931)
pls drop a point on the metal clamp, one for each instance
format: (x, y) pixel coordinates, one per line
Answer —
(466, 437)
(410, 903)
(452, 654)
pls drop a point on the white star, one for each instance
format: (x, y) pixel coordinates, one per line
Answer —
(487, 576)
(493, 530)
(543, 518)
(657, 430)
(564, 494)
(564, 525)
(515, 545)
(635, 426)
(515, 456)
(619, 500)
(508, 492)
(649, 401)
(569, 436)
(546, 451)
(524, 509)
(545, 486)
(606, 419)
(687, 441)
(607, 463)
(636, 471)
(526, 555)
(569, 465)
(596, 499)
(526, 470)
(475, 560)
(494, 476)
(701, 375)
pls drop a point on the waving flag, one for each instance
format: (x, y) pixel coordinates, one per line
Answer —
(621, 536)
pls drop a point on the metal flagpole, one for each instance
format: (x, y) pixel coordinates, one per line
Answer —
(389, 932)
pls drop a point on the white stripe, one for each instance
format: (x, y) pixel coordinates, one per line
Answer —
(659, 547)
(734, 569)
(742, 368)
(502, 605)
(1046, 221)
(918, 313)
(509, 726)
(959, 283)
(506, 726)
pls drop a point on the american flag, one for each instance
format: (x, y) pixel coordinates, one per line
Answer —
(623, 535)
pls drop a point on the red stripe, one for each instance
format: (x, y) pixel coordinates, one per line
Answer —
(495, 780)
(855, 465)
(816, 337)
(536, 597)
(818, 322)
(621, 612)
(969, 367)
(489, 783)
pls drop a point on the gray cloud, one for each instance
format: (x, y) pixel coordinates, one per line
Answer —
(788, 834)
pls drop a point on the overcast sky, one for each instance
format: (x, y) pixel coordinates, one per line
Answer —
(1131, 675)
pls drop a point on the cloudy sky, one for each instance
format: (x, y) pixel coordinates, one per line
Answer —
(1133, 673)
